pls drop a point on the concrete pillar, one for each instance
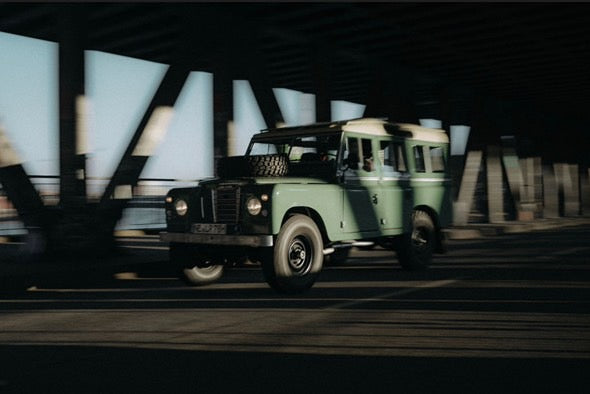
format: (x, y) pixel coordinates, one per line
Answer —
(457, 112)
(513, 173)
(550, 193)
(528, 177)
(495, 185)
(462, 206)
(572, 194)
(528, 205)
(569, 188)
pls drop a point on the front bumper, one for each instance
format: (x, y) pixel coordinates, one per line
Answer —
(215, 239)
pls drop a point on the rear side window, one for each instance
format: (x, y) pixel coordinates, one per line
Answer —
(400, 157)
(392, 156)
(419, 158)
(437, 159)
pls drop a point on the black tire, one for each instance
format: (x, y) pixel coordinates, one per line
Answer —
(268, 165)
(245, 166)
(415, 250)
(195, 268)
(297, 257)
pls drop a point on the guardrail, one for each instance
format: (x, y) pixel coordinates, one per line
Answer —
(145, 211)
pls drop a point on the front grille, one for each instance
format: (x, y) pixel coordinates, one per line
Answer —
(226, 203)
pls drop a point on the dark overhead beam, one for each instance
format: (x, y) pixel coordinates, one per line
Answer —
(102, 11)
(136, 19)
(148, 41)
(16, 17)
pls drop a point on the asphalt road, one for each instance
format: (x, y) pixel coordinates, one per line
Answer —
(499, 314)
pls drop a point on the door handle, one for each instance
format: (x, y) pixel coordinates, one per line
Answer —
(374, 199)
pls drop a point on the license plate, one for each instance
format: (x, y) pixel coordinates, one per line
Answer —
(209, 228)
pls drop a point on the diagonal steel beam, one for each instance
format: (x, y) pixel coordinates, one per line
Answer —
(18, 187)
(147, 136)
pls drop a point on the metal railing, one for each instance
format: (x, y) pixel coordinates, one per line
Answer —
(145, 211)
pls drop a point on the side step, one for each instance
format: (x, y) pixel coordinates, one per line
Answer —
(347, 244)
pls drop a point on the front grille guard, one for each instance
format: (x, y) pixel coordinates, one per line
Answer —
(226, 204)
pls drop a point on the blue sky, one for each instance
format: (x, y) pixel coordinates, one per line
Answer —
(118, 90)
(29, 101)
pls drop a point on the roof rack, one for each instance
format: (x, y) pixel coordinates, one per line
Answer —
(320, 124)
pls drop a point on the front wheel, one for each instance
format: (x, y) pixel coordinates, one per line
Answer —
(196, 268)
(415, 250)
(294, 263)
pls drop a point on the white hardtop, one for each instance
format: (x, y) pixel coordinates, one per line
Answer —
(369, 126)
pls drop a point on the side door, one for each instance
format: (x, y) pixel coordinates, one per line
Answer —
(360, 186)
(395, 186)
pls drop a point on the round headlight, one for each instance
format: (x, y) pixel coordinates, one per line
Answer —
(181, 207)
(254, 206)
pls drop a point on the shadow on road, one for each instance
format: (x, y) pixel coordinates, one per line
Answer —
(520, 297)
(39, 369)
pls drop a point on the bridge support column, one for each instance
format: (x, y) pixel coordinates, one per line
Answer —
(495, 185)
(531, 189)
(550, 193)
(568, 186)
(462, 206)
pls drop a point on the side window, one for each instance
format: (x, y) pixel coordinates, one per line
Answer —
(352, 155)
(358, 154)
(368, 160)
(419, 158)
(387, 156)
(392, 156)
(437, 159)
(400, 158)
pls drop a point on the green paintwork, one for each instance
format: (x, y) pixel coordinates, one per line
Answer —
(360, 203)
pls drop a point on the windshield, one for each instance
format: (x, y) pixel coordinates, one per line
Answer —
(305, 153)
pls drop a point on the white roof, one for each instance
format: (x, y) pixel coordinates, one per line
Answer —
(369, 126)
(381, 127)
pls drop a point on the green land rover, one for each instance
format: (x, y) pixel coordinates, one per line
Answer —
(303, 195)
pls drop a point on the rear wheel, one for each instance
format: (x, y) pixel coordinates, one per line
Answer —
(294, 263)
(415, 249)
(195, 268)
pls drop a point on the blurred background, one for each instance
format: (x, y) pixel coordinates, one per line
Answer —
(82, 87)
